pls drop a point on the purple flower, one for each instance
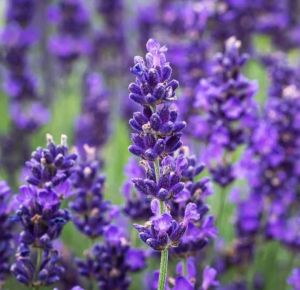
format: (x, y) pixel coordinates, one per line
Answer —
(185, 281)
(5, 231)
(29, 119)
(163, 231)
(209, 278)
(90, 212)
(71, 41)
(49, 271)
(109, 262)
(92, 127)
(51, 166)
(182, 283)
(40, 217)
(294, 279)
(281, 74)
(137, 205)
(136, 259)
(169, 176)
(225, 102)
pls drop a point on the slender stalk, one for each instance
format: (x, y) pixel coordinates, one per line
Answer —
(164, 254)
(184, 266)
(222, 200)
(36, 285)
(163, 269)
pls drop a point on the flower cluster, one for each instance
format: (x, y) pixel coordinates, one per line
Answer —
(5, 231)
(91, 213)
(227, 109)
(111, 261)
(110, 41)
(281, 75)
(178, 201)
(40, 216)
(26, 110)
(275, 178)
(71, 42)
(137, 205)
(92, 125)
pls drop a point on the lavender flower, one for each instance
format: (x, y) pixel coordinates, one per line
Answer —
(40, 216)
(50, 167)
(71, 41)
(294, 279)
(226, 99)
(209, 278)
(156, 140)
(164, 232)
(5, 231)
(137, 205)
(20, 85)
(92, 127)
(17, 38)
(91, 213)
(154, 88)
(281, 74)
(111, 40)
(111, 262)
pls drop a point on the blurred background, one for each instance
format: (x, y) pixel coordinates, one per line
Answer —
(65, 69)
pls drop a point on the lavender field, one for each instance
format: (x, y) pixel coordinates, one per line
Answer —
(150, 145)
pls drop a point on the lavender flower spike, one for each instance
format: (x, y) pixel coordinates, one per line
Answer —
(90, 212)
(40, 215)
(226, 100)
(157, 140)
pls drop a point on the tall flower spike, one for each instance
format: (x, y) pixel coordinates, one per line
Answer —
(92, 126)
(228, 109)
(39, 215)
(90, 212)
(25, 107)
(168, 175)
(70, 41)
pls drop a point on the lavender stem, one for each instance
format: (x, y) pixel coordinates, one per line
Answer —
(163, 269)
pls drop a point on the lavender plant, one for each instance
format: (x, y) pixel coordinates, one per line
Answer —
(91, 213)
(62, 230)
(40, 215)
(156, 140)
(26, 110)
(71, 41)
(92, 126)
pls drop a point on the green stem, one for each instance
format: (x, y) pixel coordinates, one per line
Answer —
(184, 266)
(163, 269)
(164, 254)
(39, 252)
(161, 207)
(221, 207)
